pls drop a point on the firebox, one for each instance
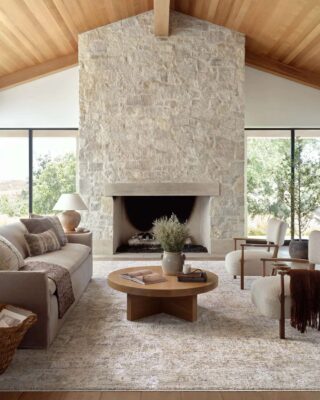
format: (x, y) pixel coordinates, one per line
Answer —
(134, 216)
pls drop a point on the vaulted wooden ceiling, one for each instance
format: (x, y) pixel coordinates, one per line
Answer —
(38, 37)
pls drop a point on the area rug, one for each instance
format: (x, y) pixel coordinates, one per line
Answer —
(230, 346)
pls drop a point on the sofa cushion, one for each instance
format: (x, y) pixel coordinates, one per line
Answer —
(42, 243)
(42, 224)
(56, 225)
(15, 234)
(71, 256)
(10, 257)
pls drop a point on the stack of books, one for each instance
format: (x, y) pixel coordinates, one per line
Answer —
(195, 276)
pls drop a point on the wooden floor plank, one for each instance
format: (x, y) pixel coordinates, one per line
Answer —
(81, 396)
(41, 396)
(242, 395)
(120, 396)
(161, 396)
(291, 395)
(10, 395)
(201, 396)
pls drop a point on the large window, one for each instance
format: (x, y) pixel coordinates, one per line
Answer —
(36, 166)
(283, 179)
(14, 172)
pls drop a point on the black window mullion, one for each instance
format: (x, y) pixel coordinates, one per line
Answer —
(30, 170)
(292, 182)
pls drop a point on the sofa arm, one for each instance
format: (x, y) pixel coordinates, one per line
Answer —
(29, 290)
(81, 238)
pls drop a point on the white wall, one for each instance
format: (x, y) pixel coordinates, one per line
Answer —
(272, 101)
(53, 101)
(49, 102)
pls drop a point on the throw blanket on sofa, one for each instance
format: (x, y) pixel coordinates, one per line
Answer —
(61, 278)
(305, 295)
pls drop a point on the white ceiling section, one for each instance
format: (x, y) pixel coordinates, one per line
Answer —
(53, 102)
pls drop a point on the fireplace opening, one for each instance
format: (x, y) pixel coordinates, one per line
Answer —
(134, 216)
(143, 210)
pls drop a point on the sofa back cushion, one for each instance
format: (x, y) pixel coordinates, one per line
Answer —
(42, 243)
(10, 257)
(42, 224)
(15, 234)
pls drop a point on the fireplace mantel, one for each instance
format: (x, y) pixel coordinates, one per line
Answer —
(162, 189)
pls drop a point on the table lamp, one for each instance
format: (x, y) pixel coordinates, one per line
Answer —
(70, 218)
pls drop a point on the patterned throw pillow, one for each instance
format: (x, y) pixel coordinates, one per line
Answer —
(39, 224)
(42, 243)
(58, 230)
(10, 257)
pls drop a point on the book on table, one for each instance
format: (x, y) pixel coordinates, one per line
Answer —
(195, 276)
(12, 316)
(144, 277)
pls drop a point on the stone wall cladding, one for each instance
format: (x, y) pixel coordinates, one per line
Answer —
(162, 110)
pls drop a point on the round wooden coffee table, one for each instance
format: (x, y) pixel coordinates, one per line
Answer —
(171, 297)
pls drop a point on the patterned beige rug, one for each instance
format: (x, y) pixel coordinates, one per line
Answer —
(229, 347)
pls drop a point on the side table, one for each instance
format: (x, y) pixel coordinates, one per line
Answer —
(80, 237)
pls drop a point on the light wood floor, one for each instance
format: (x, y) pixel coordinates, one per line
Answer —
(159, 395)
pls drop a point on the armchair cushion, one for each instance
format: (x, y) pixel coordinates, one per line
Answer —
(252, 262)
(265, 295)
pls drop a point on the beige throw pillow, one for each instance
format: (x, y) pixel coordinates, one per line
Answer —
(10, 257)
(42, 243)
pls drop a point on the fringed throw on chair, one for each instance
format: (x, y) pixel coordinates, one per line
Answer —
(305, 295)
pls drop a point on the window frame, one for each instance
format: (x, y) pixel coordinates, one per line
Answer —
(292, 137)
(30, 137)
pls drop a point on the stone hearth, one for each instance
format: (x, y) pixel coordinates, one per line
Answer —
(168, 111)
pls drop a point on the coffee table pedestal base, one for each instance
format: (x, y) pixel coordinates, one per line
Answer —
(143, 306)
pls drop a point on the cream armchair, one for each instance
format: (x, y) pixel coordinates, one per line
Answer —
(271, 295)
(247, 261)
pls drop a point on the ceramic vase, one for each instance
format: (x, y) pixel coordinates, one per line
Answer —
(172, 263)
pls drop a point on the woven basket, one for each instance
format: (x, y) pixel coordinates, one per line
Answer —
(10, 339)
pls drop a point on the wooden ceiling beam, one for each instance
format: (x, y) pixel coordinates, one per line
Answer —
(38, 71)
(275, 67)
(161, 17)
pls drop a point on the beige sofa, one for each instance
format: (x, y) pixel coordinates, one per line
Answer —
(34, 291)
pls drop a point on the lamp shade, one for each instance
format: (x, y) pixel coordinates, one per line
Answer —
(70, 201)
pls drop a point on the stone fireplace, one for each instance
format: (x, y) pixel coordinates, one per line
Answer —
(162, 118)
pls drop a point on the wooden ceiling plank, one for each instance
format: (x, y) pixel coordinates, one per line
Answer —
(8, 60)
(269, 25)
(61, 24)
(49, 25)
(161, 17)
(23, 17)
(96, 10)
(14, 45)
(22, 39)
(213, 5)
(63, 11)
(10, 45)
(306, 41)
(306, 59)
(37, 71)
(264, 63)
(284, 42)
(223, 11)
(77, 14)
(182, 6)
(237, 14)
